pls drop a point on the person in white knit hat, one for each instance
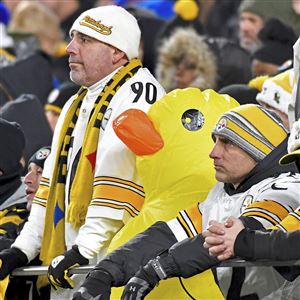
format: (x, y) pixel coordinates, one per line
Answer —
(89, 187)
(276, 94)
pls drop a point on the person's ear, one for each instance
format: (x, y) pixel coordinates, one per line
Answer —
(118, 55)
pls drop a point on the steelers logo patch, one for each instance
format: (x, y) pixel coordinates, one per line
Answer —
(42, 154)
(221, 125)
(247, 202)
(192, 120)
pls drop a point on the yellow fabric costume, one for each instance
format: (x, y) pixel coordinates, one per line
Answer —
(178, 175)
(3, 287)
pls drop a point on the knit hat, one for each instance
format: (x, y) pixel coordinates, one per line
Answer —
(11, 147)
(58, 97)
(277, 91)
(112, 25)
(257, 7)
(40, 156)
(254, 129)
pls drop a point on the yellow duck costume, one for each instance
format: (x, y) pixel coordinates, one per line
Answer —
(172, 143)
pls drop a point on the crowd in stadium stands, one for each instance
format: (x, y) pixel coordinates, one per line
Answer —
(152, 140)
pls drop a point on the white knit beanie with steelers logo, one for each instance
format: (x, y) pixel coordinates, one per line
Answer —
(112, 25)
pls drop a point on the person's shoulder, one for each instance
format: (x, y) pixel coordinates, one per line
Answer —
(284, 184)
(142, 85)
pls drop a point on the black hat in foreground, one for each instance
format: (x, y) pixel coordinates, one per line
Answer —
(11, 147)
(58, 97)
(39, 157)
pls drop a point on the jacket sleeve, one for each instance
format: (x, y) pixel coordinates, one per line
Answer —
(187, 258)
(252, 245)
(271, 245)
(125, 261)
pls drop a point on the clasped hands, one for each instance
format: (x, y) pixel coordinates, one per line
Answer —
(220, 237)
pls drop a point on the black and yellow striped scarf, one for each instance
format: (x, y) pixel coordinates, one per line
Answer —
(53, 243)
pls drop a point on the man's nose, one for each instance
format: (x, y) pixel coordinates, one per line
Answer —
(28, 179)
(216, 151)
(71, 47)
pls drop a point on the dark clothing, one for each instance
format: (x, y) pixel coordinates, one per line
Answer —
(234, 62)
(67, 23)
(223, 19)
(28, 75)
(28, 111)
(252, 244)
(12, 221)
(8, 185)
(272, 245)
(123, 262)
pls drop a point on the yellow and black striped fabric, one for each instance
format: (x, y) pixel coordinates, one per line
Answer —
(291, 222)
(41, 196)
(12, 220)
(270, 210)
(191, 220)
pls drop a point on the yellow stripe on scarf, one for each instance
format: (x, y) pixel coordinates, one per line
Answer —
(53, 243)
(3, 287)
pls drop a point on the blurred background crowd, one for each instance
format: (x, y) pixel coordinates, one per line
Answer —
(222, 45)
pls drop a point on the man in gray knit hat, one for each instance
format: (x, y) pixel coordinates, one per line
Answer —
(249, 140)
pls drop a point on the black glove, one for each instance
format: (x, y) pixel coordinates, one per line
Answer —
(143, 281)
(97, 286)
(58, 271)
(11, 259)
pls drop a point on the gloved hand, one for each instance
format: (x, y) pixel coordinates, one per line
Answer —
(143, 281)
(58, 271)
(11, 259)
(294, 139)
(97, 286)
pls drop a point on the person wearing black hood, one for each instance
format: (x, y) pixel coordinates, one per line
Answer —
(28, 190)
(276, 50)
(19, 214)
(249, 140)
(12, 190)
(13, 212)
